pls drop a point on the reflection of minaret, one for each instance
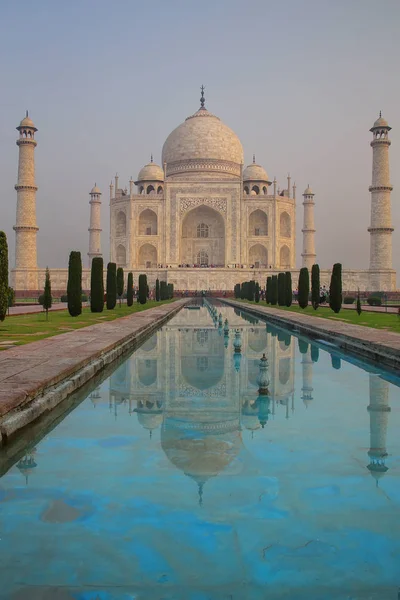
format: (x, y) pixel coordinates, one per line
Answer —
(27, 464)
(307, 389)
(378, 418)
(95, 396)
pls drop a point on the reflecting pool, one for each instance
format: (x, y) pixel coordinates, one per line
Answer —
(181, 477)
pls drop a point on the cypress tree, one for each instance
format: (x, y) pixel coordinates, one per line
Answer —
(111, 289)
(257, 293)
(281, 289)
(74, 286)
(170, 291)
(142, 298)
(304, 287)
(359, 309)
(251, 288)
(315, 286)
(236, 290)
(243, 291)
(3, 276)
(157, 290)
(274, 290)
(268, 291)
(163, 290)
(129, 290)
(47, 298)
(288, 288)
(120, 283)
(97, 285)
(335, 288)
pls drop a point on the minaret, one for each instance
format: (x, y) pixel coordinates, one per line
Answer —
(378, 409)
(26, 228)
(308, 254)
(307, 368)
(95, 222)
(381, 220)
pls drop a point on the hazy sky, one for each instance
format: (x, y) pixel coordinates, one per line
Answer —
(300, 82)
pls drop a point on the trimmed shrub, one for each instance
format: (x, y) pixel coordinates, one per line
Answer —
(129, 291)
(257, 293)
(97, 285)
(374, 301)
(335, 288)
(11, 297)
(84, 298)
(236, 290)
(358, 308)
(288, 289)
(304, 287)
(3, 276)
(349, 300)
(170, 290)
(41, 299)
(47, 299)
(315, 286)
(251, 288)
(64, 298)
(268, 290)
(157, 290)
(142, 296)
(281, 289)
(111, 283)
(120, 283)
(274, 290)
(74, 286)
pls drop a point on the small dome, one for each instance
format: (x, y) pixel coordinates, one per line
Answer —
(27, 122)
(151, 172)
(255, 172)
(308, 191)
(381, 122)
(150, 420)
(95, 190)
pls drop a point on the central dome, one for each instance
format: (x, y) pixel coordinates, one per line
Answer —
(203, 143)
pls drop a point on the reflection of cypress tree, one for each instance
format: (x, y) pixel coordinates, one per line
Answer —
(284, 336)
(314, 353)
(303, 346)
(336, 362)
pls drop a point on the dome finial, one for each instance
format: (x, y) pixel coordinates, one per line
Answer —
(151, 157)
(27, 114)
(254, 159)
(200, 490)
(380, 114)
(202, 99)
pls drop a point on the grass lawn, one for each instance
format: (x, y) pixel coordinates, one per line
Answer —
(388, 321)
(24, 329)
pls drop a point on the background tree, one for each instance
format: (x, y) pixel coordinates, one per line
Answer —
(97, 285)
(111, 286)
(129, 290)
(47, 300)
(281, 289)
(288, 289)
(142, 297)
(268, 291)
(335, 288)
(304, 287)
(358, 308)
(157, 290)
(74, 286)
(3, 275)
(274, 290)
(257, 293)
(120, 283)
(315, 286)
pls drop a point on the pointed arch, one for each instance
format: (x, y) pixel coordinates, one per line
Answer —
(258, 223)
(284, 257)
(121, 224)
(258, 256)
(285, 225)
(148, 222)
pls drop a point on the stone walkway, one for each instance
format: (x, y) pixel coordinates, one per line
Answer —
(376, 344)
(36, 377)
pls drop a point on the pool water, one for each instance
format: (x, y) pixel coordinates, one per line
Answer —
(176, 479)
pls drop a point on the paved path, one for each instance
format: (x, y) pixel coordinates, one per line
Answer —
(67, 360)
(376, 344)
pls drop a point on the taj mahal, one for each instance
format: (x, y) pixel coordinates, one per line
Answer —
(202, 220)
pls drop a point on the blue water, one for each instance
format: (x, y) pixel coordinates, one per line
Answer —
(175, 479)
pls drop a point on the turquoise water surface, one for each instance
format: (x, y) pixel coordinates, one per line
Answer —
(174, 479)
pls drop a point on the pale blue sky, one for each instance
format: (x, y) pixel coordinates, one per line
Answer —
(300, 82)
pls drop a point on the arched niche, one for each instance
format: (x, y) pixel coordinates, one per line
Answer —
(148, 256)
(147, 371)
(284, 257)
(258, 256)
(255, 189)
(150, 189)
(253, 372)
(121, 255)
(203, 371)
(257, 340)
(148, 222)
(209, 221)
(150, 344)
(121, 224)
(258, 223)
(159, 189)
(285, 225)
